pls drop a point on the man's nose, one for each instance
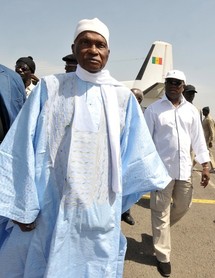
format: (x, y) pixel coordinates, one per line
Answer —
(18, 69)
(93, 48)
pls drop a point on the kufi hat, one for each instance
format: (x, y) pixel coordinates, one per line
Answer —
(176, 74)
(28, 61)
(94, 25)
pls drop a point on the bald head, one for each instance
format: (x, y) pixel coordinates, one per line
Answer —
(138, 94)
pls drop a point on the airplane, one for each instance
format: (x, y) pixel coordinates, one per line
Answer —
(151, 76)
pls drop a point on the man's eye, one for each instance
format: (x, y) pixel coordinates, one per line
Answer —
(101, 45)
(85, 42)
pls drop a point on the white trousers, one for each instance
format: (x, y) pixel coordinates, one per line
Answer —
(167, 207)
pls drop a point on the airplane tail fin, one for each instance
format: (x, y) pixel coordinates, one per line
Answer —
(151, 76)
(157, 63)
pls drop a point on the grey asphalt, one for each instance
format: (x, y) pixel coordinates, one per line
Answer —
(193, 238)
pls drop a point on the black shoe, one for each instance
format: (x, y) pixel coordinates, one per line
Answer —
(212, 170)
(164, 268)
(128, 218)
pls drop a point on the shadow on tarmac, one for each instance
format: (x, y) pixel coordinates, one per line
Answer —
(141, 252)
(145, 203)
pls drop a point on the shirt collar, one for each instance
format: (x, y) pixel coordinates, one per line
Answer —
(165, 99)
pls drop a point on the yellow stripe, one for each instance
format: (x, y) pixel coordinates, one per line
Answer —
(200, 201)
(203, 201)
(146, 197)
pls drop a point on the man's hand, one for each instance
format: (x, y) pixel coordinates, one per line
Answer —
(25, 227)
(205, 176)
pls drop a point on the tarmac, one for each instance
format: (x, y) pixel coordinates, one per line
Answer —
(192, 238)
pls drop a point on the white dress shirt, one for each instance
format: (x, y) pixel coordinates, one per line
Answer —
(175, 130)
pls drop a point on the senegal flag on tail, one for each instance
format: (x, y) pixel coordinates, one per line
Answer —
(157, 60)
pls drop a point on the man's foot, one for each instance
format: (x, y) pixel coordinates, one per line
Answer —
(128, 218)
(164, 268)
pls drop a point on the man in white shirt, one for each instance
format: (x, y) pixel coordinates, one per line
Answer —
(175, 126)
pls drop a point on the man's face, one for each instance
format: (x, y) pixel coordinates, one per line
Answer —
(91, 51)
(174, 88)
(23, 70)
(205, 112)
(189, 96)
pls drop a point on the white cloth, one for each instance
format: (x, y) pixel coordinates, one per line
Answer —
(174, 130)
(110, 99)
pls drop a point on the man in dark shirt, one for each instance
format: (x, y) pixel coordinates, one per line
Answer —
(71, 63)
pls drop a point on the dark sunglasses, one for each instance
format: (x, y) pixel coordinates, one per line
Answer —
(22, 67)
(174, 82)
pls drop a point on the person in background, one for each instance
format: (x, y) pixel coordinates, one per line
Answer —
(175, 127)
(71, 63)
(12, 98)
(126, 216)
(25, 67)
(208, 127)
(73, 169)
(138, 94)
(34, 79)
(189, 94)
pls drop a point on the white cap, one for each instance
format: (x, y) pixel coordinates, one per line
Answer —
(94, 25)
(177, 74)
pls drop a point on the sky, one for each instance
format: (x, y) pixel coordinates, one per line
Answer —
(44, 30)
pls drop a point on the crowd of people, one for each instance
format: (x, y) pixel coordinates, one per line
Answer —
(80, 152)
